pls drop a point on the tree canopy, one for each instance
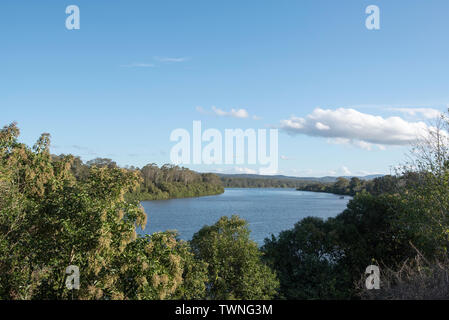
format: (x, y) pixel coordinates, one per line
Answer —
(51, 219)
(235, 268)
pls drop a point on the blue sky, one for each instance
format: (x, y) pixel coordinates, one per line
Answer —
(136, 70)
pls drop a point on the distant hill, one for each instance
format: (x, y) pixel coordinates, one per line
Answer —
(290, 178)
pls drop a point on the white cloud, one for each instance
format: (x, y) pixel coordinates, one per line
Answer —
(321, 126)
(220, 112)
(240, 113)
(357, 143)
(235, 113)
(168, 59)
(245, 170)
(366, 145)
(234, 170)
(342, 171)
(349, 126)
(345, 171)
(139, 65)
(427, 113)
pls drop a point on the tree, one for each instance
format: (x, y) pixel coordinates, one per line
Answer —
(341, 186)
(355, 185)
(306, 261)
(427, 193)
(368, 232)
(320, 259)
(424, 193)
(171, 181)
(51, 219)
(101, 163)
(159, 266)
(235, 269)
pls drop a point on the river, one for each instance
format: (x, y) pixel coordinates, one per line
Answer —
(268, 211)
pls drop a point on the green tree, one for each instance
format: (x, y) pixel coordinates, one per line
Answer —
(50, 219)
(159, 266)
(306, 261)
(324, 259)
(427, 194)
(368, 232)
(235, 269)
(356, 185)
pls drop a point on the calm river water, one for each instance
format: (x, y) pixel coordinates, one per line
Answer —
(268, 211)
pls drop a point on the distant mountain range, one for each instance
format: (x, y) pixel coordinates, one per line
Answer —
(327, 179)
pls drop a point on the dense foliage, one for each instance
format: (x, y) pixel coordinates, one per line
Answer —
(171, 181)
(56, 212)
(350, 187)
(166, 182)
(51, 219)
(320, 259)
(244, 182)
(235, 270)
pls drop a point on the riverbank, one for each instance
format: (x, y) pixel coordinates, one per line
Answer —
(192, 191)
